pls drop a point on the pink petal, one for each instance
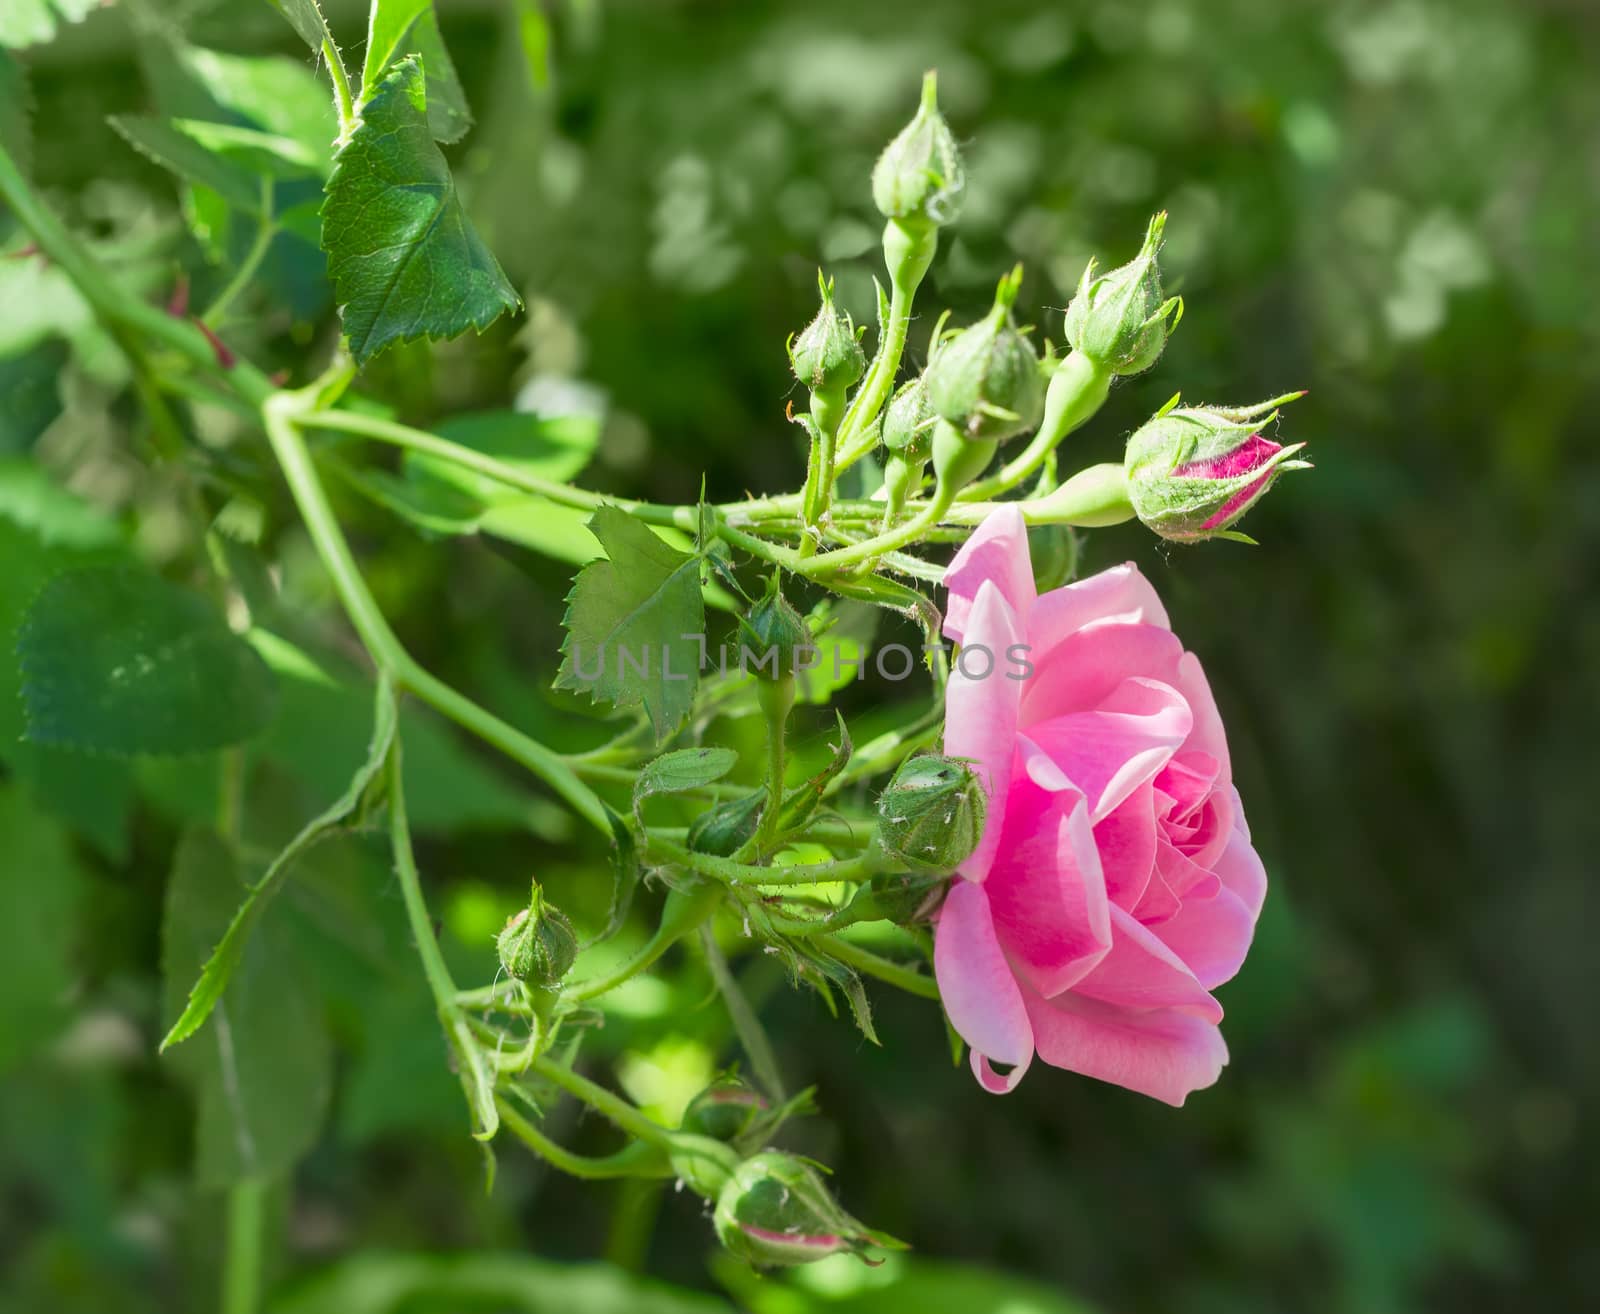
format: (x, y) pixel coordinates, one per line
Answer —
(980, 720)
(1109, 752)
(1182, 874)
(1120, 594)
(1082, 671)
(1046, 893)
(1253, 453)
(1187, 779)
(1208, 735)
(997, 553)
(1161, 1053)
(1240, 870)
(980, 995)
(1211, 935)
(1142, 971)
(1126, 839)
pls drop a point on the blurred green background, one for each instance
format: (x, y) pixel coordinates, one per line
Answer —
(1395, 205)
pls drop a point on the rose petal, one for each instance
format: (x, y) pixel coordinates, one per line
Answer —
(997, 553)
(1082, 671)
(1126, 839)
(1161, 1053)
(1208, 735)
(1240, 870)
(1045, 889)
(980, 995)
(1211, 935)
(1142, 971)
(1109, 752)
(980, 720)
(1120, 594)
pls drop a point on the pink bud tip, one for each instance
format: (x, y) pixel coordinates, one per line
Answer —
(1249, 455)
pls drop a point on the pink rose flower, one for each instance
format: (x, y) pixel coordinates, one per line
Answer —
(1114, 885)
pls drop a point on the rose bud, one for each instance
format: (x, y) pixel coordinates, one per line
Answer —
(538, 944)
(1193, 471)
(986, 380)
(725, 1110)
(826, 356)
(723, 830)
(775, 1211)
(930, 815)
(918, 179)
(1118, 319)
(773, 634)
(908, 436)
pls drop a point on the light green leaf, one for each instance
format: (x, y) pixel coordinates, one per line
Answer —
(263, 1070)
(32, 399)
(376, 1282)
(33, 22)
(164, 142)
(225, 958)
(276, 94)
(673, 773)
(410, 27)
(40, 887)
(635, 623)
(117, 660)
(405, 261)
(305, 16)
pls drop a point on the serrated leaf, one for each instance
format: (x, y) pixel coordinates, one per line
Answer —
(225, 958)
(635, 622)
(849, 981)
(117, 660)
(673, 773)
(162, 141)
(305, 16)
(410, 27)
(28, 383)
(405, 261)
(262, 1075)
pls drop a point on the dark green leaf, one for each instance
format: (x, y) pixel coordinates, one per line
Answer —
(635, 623)
(32, 400)
(405, 261)
(16, 111)
(117, 660)
(262, 1070)
(409, 27)
(40, 886)
(673, 773)
(225, 958)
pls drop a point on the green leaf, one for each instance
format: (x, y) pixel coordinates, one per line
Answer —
(16, 113)
(405, 261)
(635, 623)
(41, 885)
(305, 16)
(164, 142)
(33, 22)
(410, 27)
(225, 958)
(555, 448)
(376, 1282)
(117, 660)
(32, 399)
(263, 1070)
(273, 93)
(673, 773)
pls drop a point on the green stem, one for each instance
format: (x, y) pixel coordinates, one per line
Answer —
(241, 1264)
(344, 102)
(686, 910)
(266, 231)
(635, 1161)
(777, 700)
(730, 872)
(876, 546)
(885, 969)
(618, 1110)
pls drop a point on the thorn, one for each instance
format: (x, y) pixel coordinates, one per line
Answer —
(24, 252)
(225, 356)
(178, 304)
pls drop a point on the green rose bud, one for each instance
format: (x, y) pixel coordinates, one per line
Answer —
(986, 380)
(538, 944)
(1194, 471)
(776, 1211)
(725, 1110)
(723, 830)
(772, 633)
(930, 816)
(908, 423)
(1118, 319)
(918, 179)
(826, 356)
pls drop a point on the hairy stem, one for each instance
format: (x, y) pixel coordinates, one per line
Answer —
(885, 969)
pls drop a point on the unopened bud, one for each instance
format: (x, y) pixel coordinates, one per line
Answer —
(776, 1211)
(986, 380)
(774, 634)
(919, 179)
(826, 355)
(1118, 319)
(930, 816)
(1193, 472)
(725, 1110)
(538, 944)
